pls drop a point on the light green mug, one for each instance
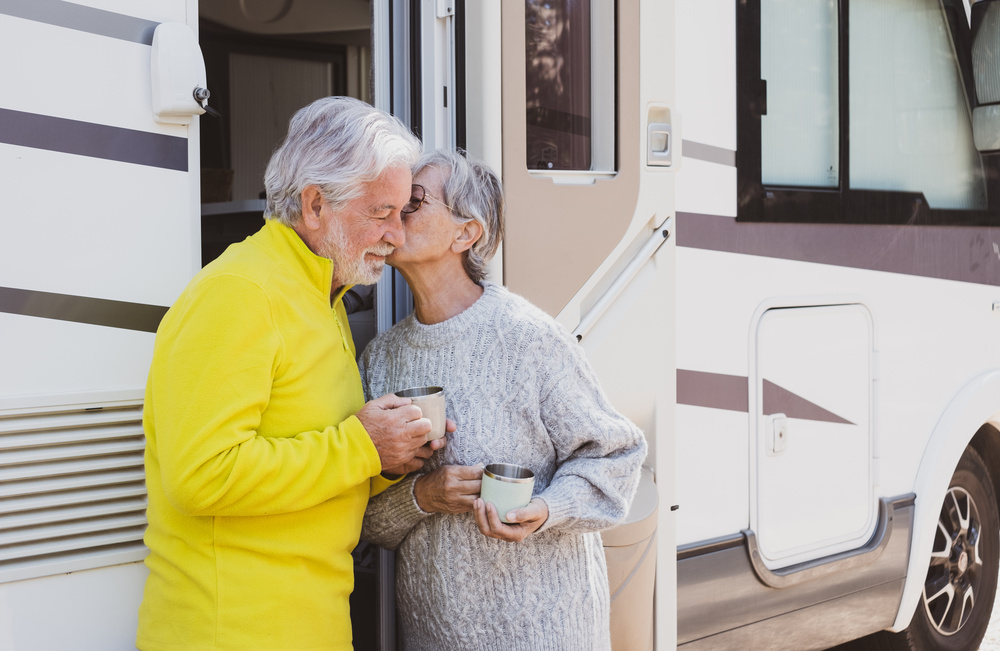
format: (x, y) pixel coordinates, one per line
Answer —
(507, 487)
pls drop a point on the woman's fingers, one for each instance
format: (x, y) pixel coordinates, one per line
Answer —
(536, 511)
(489, 523)
(448, 489)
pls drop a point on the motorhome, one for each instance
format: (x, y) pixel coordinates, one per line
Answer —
(773, 225)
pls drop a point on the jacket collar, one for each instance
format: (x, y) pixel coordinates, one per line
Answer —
(315, 269)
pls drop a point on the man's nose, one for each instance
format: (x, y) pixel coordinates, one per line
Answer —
(394, 233)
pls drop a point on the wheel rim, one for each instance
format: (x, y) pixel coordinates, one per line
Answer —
(956, 567)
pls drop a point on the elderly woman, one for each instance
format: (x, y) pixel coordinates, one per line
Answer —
(521, 391)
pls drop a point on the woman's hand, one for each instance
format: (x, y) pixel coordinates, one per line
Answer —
(448, 489)
(524, 521)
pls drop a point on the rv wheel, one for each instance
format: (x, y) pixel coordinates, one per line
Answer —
(961, 580)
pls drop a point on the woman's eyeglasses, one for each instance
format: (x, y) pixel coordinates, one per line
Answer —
(418, 195)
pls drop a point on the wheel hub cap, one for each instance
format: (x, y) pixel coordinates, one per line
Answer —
(955, 572)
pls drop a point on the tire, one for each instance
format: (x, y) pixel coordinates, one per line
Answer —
(962, 570)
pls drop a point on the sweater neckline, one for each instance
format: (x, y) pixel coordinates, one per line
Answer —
(422, 335)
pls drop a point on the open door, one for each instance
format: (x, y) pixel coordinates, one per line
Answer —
(590, 143)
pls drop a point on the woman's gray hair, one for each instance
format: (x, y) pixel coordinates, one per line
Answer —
(473, 191)
(337, 144)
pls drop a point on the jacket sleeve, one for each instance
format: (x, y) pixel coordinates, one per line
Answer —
(599, 452)
(210, 381)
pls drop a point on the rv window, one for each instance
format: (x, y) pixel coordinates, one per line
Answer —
(569, 77)
(859, 111)
(798, 58)
(910, 124)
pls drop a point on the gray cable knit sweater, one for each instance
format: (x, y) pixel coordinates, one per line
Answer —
(521, 391)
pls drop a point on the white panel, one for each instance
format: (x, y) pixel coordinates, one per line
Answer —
(95, 610)
(89, 77)
(713, 316)
(920, 368)
(44, 356)
(156, 11)
(814, 495)
(91, 227)
(712, 473)
(706, 188)
(706, 73)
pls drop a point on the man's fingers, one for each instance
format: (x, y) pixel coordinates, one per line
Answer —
(424, 451)
(391, 401)
(417, 429)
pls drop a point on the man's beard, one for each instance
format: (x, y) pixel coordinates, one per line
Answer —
(350, 268)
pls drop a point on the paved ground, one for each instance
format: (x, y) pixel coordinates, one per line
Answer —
(992, 640)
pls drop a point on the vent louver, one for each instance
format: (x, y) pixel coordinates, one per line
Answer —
(72, 491)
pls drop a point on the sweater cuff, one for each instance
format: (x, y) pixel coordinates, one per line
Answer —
(405, 510)
(560, 504)
(381, 482)
(413, 496)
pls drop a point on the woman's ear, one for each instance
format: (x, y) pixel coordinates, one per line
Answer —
(312, 207)
(468, 234)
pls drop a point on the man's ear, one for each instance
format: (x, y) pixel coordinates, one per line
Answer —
(468, 234)
(312, 207)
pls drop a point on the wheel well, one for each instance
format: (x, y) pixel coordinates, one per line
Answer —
(987, 443)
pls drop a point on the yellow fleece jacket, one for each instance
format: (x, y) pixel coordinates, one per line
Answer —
(258, 472)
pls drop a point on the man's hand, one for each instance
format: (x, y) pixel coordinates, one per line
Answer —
(422, 454)
(448, 489)
(398, 431)
(525, 521)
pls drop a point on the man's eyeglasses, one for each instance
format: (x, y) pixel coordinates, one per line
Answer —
(418, 195)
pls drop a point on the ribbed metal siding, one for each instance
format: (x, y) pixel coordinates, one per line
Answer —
(72, 491)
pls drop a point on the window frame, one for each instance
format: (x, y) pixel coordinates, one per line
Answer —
(603, 118)
(757, 202)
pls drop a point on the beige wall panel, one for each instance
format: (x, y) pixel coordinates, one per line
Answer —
(563, 233)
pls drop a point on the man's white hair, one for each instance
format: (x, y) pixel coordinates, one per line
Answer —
(338, 144)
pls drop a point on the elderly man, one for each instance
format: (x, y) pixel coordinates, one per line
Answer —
(261, 452)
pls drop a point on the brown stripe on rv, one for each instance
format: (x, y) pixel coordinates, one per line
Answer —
(81, 309)
(963, 253)
(730, 392)
(93, 140)
(778, 400)
(82, 18)
(712, 390)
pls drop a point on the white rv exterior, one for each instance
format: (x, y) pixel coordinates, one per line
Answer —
(793, 292)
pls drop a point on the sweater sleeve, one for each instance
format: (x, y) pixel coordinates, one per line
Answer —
(599, 452)
(392, 514)
(210, 383)
(393, 509)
